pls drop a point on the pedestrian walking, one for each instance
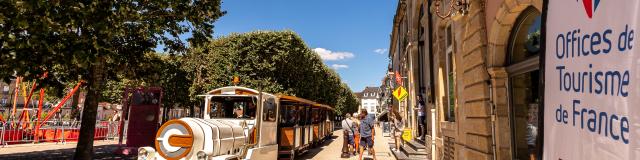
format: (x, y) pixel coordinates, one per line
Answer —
(367, 133)
(398, 126)
(356, 135)
(421, 117)
(349, 132)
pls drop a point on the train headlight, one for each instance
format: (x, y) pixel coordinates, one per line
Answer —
(146, 153)
(201, 155)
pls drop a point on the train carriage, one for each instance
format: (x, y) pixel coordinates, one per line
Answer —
(243, 123)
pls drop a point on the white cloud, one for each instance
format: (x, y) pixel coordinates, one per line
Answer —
(380, 50)
(339, 66)
(329, 55)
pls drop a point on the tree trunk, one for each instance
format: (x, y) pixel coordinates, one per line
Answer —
(75, 113)
(84, 148)
(192, 110)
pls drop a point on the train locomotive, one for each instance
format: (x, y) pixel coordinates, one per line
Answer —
(243, 123)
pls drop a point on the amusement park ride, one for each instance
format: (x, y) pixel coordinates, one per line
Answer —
(22, 122)
(141, 108)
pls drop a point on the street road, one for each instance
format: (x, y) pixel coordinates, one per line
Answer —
(332, 149)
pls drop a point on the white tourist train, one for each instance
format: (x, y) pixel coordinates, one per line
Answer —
(242, 123)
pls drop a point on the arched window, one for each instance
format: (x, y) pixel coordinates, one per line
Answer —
(525, 37)
(524, 84)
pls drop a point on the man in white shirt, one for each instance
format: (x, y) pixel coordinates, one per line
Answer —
(348, 126)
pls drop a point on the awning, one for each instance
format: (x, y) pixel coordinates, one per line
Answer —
(383, 117)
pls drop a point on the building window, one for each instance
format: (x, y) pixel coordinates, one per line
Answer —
(524, 87)
(450, 109)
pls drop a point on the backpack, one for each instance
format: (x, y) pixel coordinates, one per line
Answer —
(350, 128)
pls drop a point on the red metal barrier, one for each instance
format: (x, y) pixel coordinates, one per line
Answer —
(55, 131)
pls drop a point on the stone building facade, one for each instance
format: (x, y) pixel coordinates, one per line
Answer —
(478, 73)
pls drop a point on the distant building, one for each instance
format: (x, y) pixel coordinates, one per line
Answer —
(369, 99)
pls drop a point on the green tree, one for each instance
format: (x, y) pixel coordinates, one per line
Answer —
(171, 78)
(163, 70)
(275, 62)
(347, 101)
(94, 41)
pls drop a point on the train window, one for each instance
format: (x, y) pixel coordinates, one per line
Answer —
(324, 115)
(233, 107)
(293, 115)
(269, 110)
(289, 116)
(315, 115)
(309, 118)
(302, 113)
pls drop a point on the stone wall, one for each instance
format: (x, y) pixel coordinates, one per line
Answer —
(475, 120)
(480, 40)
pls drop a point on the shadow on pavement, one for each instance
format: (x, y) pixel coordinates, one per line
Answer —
(315, 150)
(105, 152)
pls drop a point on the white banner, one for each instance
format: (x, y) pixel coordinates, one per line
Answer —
(592, 80)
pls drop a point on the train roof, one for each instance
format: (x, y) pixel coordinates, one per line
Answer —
(325, 106)
(233, 90)
(287, 98)
(238, 90)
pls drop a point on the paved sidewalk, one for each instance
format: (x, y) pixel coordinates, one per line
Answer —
(102, 150)
(330, 150)
(333, 148)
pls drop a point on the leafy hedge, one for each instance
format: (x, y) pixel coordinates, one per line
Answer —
(273, 61)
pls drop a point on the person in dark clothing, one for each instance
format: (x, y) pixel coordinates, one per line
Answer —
(421, 117)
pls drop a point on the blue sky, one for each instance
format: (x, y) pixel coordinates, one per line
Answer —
(347, 33)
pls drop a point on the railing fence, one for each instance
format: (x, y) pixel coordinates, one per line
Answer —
(12, 132)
